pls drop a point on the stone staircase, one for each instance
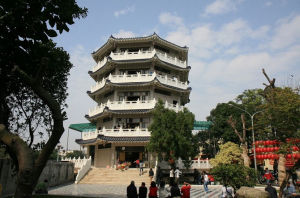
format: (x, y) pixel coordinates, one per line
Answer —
(112, 176)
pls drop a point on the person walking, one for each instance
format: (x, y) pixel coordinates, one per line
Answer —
(163, 192)
(131, 190)
(137, 163)
(175, 192)
(151, 174)
(185, 190)
(171, 177)
(158, 176)
(143, 191)
(153, 190)
(268, 176)
(141, 167)
(206, 181)
(177, 175)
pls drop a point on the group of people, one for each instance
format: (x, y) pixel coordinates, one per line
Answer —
(163, 192)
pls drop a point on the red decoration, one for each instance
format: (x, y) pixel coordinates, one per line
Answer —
(295, 148)
(289, 156)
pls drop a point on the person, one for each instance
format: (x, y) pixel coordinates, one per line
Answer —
(42, 188)
(227, 191)
(153, 190)
(206, 181)
(137, 163)
(289, 190)
(175, 192)
(271, 190)
(151, 173)
(171, 176)
(141, 167)
(158, 175)
(185, 190)
(143, 190)
(294, 178)
(163, 192)
(131, 190)
(268, 176)
(196, 176)
(177, 175)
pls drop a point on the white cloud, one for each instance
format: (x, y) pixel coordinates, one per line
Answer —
(221, 7)
(124, 34)
(124, 11)
(268, 3)
(170, 19)
(286, 33)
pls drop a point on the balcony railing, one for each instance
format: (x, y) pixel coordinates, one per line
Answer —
(141, 55)
(140, 78)
(116, 133)
(131, 105)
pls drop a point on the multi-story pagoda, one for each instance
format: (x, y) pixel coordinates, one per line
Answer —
(131, 75)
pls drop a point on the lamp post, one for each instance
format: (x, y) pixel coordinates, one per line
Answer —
(252, 124)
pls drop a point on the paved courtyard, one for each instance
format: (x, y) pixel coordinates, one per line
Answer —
(119, 191)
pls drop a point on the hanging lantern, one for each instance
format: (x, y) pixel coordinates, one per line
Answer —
(288, 156)
(295, 148)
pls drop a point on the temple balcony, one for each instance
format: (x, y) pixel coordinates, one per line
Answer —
(130, 105)
(120, 132)
(164, 79)
(141, 55)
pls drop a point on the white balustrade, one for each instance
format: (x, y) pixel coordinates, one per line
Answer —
(141, 55)
(83, 170)
(120, 132)
(140, 78)
(176, 107)
(196, 164)
(100, 64)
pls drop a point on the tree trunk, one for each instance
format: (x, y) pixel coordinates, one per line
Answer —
(282, 174)
(245, 155)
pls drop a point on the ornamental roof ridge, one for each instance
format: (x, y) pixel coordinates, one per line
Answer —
(154, 36)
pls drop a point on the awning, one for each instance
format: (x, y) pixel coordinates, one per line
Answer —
(82, 127)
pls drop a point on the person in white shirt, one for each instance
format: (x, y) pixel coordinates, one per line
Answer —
(171, 176)
(227, 191)
(206, 181)
(177, 175)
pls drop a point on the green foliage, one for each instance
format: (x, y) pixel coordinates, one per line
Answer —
(235, 175)
(230, 153)
(171, 134)
(76, 154)
(25, 28)
(282, 113)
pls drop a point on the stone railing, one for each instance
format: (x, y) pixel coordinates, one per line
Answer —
(196, 164)
(131, 105)
(116, 133)
(140, 78)
(82, 165)
(164, 79)
(141, 55)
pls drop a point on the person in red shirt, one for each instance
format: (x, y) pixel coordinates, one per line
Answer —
(153, 190)
(268, 175)
(185, 190)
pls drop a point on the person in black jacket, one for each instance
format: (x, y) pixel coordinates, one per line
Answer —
(271, 190)
(131, 191)
(143, 191)
(175, 191)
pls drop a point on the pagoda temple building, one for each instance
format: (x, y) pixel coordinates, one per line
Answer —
(131, 75)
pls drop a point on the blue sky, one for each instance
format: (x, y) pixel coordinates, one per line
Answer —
(229, 42)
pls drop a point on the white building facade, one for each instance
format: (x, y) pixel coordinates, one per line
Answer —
(131, 75)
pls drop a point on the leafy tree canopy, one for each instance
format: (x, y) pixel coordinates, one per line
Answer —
(75, 154)
(230, 153)
(235, 175)
(171, 134)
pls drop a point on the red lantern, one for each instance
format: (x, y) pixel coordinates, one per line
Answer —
(297, 155)
(295, 148)
(270, 156)
(261, 142)
(276, 156)
(288, 156)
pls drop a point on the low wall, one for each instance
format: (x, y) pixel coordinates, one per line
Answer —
(56, 173)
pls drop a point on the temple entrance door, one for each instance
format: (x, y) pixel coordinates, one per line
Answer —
(131, 157)
(92, 153)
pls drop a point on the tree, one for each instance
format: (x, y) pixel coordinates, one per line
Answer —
(282, 119)
(230, 153)
(235, 175)
(171, 134)
(75, 154)
(33, 78)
